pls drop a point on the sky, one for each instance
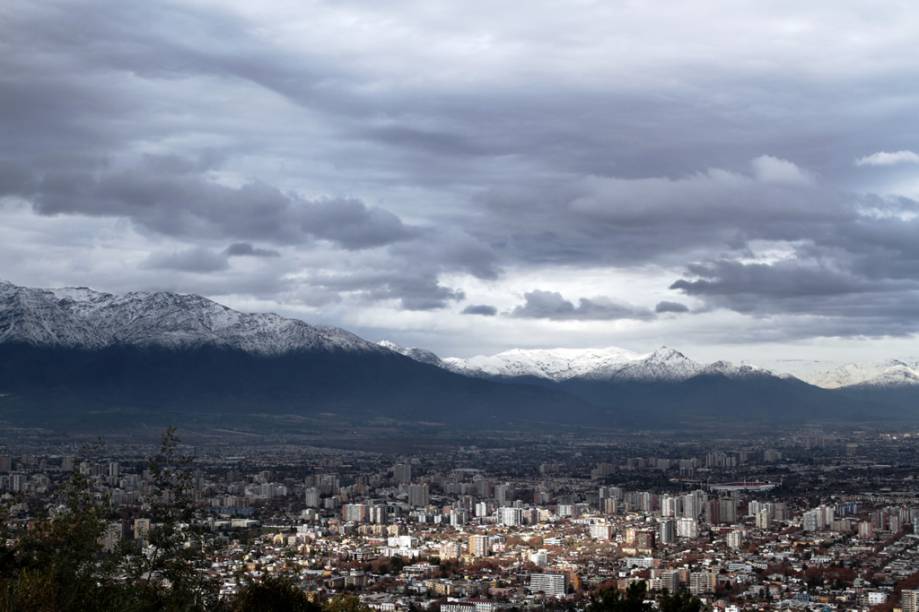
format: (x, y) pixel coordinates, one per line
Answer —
(736, 179)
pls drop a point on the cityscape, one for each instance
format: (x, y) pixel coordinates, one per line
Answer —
(459, 306)
(807, 519)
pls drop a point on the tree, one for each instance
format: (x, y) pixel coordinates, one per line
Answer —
(612, 599)
(272, 595)
(345, 603)
(175, 555)
(680, 601)
(58, 564)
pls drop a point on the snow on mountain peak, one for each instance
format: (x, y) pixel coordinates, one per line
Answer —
(598, 364)
(79, 317)
(890, 373)
(551, 364)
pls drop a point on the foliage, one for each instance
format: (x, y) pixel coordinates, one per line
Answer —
(272, 595)
(613, 600)
(344, 603)
(681, 601)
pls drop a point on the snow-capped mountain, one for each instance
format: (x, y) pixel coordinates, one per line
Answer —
(551, 364)
(891, 373)
(598, 364)
(77, 317)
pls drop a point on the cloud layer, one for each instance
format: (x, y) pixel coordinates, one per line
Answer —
(392, 167)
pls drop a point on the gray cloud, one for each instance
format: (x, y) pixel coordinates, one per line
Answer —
(418, 291)
(484, 310)
(244, 249)
(540, 304)
(172, 200)
(189, 260)
(666, 306)
(845, 303)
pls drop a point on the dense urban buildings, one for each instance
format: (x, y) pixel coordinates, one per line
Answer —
(795, 519)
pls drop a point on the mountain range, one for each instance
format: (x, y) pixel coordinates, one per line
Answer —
(76, 357)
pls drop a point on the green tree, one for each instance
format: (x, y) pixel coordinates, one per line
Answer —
(613, 600)
(344, 603)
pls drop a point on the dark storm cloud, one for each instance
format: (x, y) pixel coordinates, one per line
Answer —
(666, 306)
(551, 305)
(172, 200)
(244, 249)
(480, 309)
(848, 303)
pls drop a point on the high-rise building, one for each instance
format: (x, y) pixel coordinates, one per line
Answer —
(478, 545)
(510, 517)
(701, 582)
(402, 473)
(693, 504)
(670, 505)
(763, 518)
(668, 531)
(450, 550)
(687, 528)
(354, 513)
(458, 517)
(670, 580)
(735, 539)
(378, 514)
(818, 519)
(312, 497)
(418, 495)
(553, 585)
(601, 531)
(727, 510)
(644, 539)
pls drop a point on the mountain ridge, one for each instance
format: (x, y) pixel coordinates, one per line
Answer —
(75, 357)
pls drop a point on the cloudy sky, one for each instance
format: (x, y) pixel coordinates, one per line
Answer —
(736, 179)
